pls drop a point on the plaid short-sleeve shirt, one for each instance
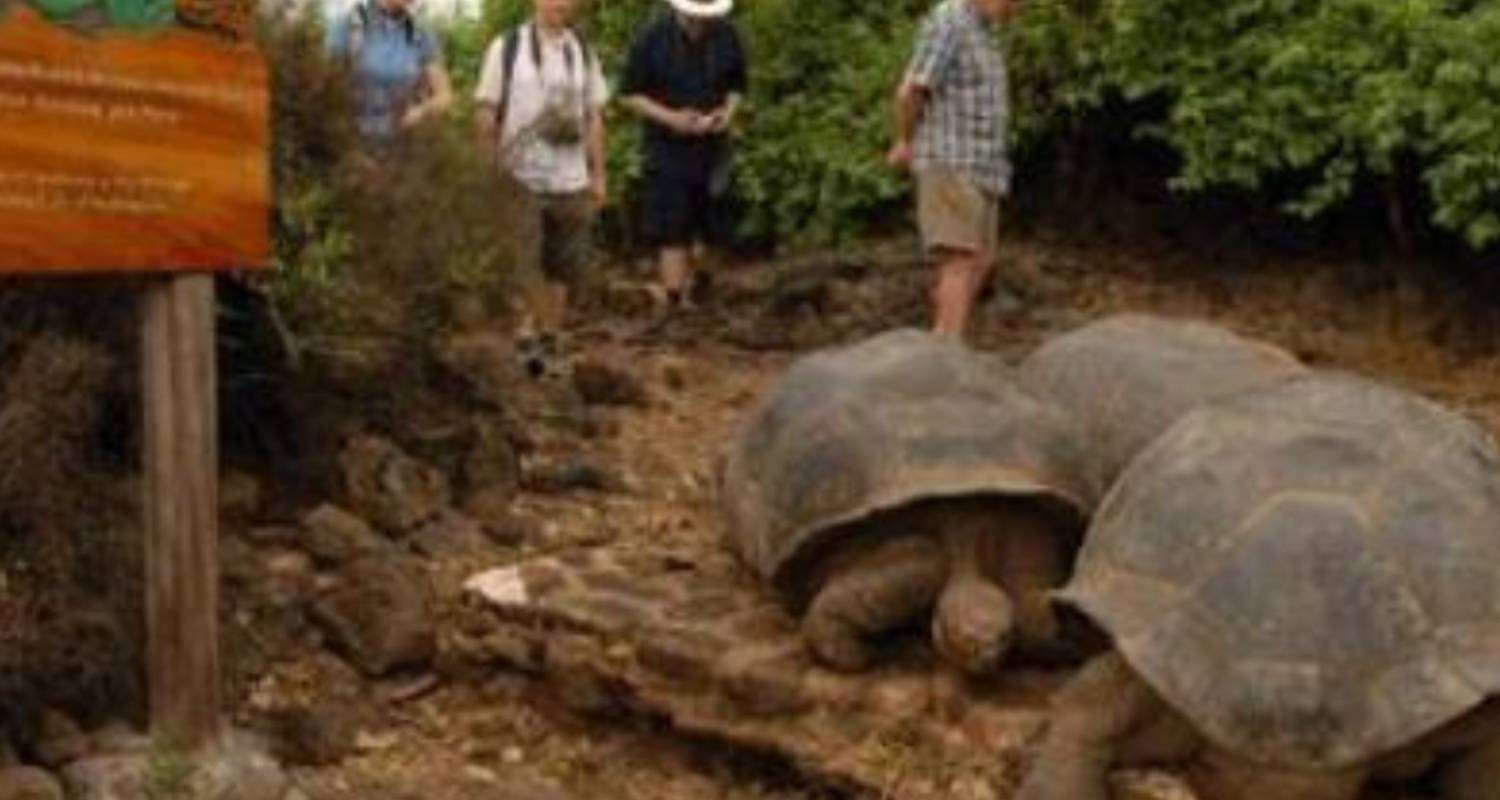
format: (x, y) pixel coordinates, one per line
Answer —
(964, 125)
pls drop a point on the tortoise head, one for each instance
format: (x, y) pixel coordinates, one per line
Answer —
(974, 624)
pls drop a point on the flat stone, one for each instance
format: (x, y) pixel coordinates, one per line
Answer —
(573, 672)
(492, 461)
(238, 769)
(333, 535)
(450, 535)
(240, 496)
(274, 535)
(600, 382)
(768, 682)
(569, 476)
(388, 487)
(289, 578)
(116, 737)
(28, 783)
(61, 740)
(312, 735)
(381, 615)
(682, 653)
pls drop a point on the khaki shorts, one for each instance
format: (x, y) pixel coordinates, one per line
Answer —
(954, 213)
(553, 246)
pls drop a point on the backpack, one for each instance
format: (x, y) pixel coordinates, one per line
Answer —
(510, 50)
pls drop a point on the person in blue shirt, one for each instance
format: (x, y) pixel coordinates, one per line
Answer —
(396, 63)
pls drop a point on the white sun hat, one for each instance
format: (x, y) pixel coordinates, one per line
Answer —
(703, 8)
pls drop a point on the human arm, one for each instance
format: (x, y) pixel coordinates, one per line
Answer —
(734, 80)
(598, 163)
(910, 101)
(439, 96)
(937, 46)
(640, 86)
(487, 100)
(684, 121)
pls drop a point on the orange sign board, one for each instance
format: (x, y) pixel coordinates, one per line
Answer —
(128, 152)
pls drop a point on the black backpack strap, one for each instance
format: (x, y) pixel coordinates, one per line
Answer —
(510, 48)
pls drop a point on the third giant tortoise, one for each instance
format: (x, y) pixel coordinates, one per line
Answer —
(1127, 378)
(1303, 588)
(903, 475)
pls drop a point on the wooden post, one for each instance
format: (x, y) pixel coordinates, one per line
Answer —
(181, 505)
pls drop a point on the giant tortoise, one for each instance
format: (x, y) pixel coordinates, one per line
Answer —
(902, 475)
(1302, 584)
(1125, 379)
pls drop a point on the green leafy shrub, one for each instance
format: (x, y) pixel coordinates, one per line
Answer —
(1303, 100)
(373, 240)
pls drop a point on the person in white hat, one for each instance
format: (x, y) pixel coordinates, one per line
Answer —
(686, 78)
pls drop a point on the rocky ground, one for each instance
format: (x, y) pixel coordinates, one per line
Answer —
(354, 639)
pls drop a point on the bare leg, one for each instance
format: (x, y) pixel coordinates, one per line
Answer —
(1092, 716)
(959, 276)
(974, 623)
(878, 591)
(676, 273)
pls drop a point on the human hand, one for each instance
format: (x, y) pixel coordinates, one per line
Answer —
(721, 120)
(413, 116)
(685, 122)
(900, 155)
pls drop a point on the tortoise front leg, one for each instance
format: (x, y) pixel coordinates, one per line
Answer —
(879, 590)
(1092, 716)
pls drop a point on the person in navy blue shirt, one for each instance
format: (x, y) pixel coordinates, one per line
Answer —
(396, 64)
(686, 79)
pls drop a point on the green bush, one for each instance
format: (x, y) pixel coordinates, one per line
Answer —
(1305, 103)
(1304, 100)
(373, 240)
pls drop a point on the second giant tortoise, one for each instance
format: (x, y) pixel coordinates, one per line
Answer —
(1127, 378)
(1303, 588)
(904, 475)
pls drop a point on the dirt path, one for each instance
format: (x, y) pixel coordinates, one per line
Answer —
(489, 739)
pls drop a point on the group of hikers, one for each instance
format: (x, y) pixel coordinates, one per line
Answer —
(540, 98)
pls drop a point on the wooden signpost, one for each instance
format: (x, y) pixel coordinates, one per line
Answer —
(130, 152)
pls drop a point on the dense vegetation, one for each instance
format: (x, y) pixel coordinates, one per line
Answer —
(1306, 103)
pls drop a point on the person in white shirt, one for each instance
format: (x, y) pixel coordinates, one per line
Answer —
(541, 96)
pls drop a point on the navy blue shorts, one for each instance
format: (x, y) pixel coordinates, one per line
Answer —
(680, 210)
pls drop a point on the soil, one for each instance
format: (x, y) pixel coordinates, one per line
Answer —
(632, 471)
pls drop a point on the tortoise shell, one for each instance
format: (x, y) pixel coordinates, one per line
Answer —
(1127, 378)
(849, 433)
(1310, 573)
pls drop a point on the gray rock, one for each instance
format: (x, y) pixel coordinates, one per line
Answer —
(450, 535)
(492, 460)
(334, 536)
(390, 488)
(313, 735)
(380, 614)
(238, 769)
(28, 783)
(602, 382)
(116, 737)
(61, 740)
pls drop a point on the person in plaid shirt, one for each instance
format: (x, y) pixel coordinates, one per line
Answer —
(952, 112)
